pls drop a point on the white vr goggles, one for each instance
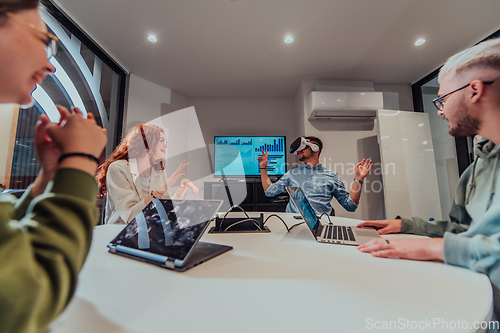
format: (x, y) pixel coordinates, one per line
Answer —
(301, 143)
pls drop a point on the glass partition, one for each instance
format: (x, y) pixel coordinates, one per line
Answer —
(452, 155)
(444, 148)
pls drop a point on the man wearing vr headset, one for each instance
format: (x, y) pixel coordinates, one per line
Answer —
(319, 184)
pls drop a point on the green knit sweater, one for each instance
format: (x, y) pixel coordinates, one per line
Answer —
(472, 235)
(43, 244)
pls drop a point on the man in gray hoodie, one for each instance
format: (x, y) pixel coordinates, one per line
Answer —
(469, 99)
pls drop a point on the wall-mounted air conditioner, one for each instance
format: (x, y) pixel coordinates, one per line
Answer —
(343, 105)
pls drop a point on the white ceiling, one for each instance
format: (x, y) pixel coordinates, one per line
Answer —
(235, 48)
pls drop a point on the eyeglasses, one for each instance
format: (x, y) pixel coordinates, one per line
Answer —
(439, 101)
(50, 42)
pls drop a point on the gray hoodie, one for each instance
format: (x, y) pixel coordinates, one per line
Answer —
(472, 236)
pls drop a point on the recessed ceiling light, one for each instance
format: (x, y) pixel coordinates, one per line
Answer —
(420, 41)
(152, 38)
(288, 39)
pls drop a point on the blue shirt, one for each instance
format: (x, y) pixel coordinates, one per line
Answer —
(319, 185)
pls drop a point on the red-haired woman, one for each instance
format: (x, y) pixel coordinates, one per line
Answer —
(134, 174)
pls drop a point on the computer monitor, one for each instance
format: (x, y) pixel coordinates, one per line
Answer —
(236, 156)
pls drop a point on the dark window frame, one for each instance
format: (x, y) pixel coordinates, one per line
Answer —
(72, 27)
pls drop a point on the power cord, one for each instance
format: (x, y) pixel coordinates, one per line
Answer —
(295, 225)
(230, 209)
(287, 229)
(330, 221)
(254, 221)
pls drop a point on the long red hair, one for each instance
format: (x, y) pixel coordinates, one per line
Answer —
(138, 141)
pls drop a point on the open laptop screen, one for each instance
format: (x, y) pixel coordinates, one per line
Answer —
(168, 227)
(305, 208)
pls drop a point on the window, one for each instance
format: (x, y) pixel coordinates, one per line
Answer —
(452, 155)
(85, 77)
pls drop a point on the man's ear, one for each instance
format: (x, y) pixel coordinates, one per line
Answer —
(477, 87)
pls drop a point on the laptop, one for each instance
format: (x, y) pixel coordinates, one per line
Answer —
(166, 233)
(329, 233)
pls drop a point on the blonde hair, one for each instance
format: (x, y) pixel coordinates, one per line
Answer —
(485, 54)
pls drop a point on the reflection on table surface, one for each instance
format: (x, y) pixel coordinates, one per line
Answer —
(273, 282)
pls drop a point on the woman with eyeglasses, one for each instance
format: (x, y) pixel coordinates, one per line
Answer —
(46, 234)
(134, 174)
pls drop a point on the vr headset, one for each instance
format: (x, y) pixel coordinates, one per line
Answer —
(301, 143)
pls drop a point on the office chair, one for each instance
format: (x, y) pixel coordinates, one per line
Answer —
(101, 205)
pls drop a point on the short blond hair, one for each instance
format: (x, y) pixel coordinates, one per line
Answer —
(485, 54)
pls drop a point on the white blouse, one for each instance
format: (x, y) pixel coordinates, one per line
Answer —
(126, 190)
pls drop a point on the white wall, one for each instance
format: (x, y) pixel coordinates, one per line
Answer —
(144, 102)
(299, 103)
(245, 117)
(217, 116)
(8, 114)
(401, 92)
(177, 102)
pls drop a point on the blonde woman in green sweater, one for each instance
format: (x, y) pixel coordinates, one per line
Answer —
(46, 234)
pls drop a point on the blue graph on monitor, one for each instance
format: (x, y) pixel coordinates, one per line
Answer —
(237, 156)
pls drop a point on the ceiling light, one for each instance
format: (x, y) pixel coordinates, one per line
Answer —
(152, 38)
(288, 39)
(420, 41)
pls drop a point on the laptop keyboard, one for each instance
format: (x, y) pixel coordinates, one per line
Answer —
(336, 232)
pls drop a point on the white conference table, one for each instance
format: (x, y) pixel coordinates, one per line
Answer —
(273, 282)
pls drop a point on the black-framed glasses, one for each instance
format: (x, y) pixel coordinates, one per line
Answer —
(439, 101)
(50, 42)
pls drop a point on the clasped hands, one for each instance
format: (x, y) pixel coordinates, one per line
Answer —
(73, 134)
